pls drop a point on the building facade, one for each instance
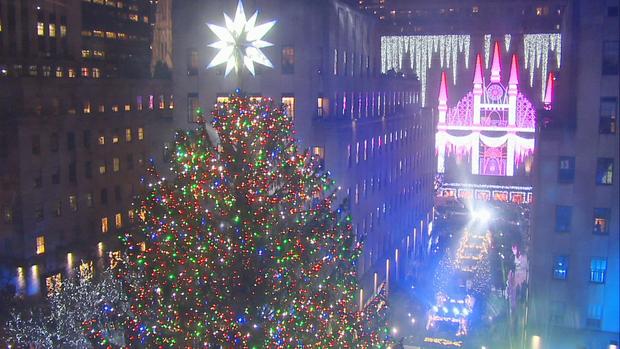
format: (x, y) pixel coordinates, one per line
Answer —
(574, 286)
(78, 123)
(365, 125)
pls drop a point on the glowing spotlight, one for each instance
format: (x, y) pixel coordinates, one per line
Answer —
(394, 330)
(481, 215)
(412, 320)
(456, 311)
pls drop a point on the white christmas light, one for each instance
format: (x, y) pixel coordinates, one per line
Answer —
(507, 38)
(536, 48)
(487, 50)
(421, 49)
(240, 42)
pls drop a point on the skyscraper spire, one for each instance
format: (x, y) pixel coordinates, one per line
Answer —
(514, 75)
(478, 70)
(495, 67)
(549, 92)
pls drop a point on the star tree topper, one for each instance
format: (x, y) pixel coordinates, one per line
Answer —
(240, 42)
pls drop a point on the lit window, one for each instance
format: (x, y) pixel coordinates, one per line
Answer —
(52, 30)
(40, 29)
(222, 99)
(131, 215)
(134, 17)
(102, 168)
(101, 108)
(140, 133)
(73, 204)
(604, 171)
(89, 200)
(192, 62)
(122, 36)
(127, 135)
(101, 140)
(288, 60)
(86, 108)
(63, 31)
(475, 9)
(289, 104)
(139, 102)
(539, 11)
(319, 153)
(335, 62)
(104, 225)
(59, 72)
(151, 102)
(115, 108)
(145, 19)
(40, 244)
(560, 267)
(118, 220)
(110, 35)
(601, 220)
(116, 164)
(71, 73)
(53, 284)
(320, 105)
(115, 139)
(598, 269)
(46, 70)
(127, 107)
(98, 53)
(85, 72)
(161, 104)
(98, 33)
(115, 258)
(86, 270)
(96, 73)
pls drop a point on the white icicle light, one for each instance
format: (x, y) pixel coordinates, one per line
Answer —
(487, 50)
(421, 49)
(507, 38)
(536, 48)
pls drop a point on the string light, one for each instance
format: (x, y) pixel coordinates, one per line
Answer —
(487, 50)
(536, 49)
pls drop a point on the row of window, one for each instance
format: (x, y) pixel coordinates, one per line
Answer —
(598, 268)
(73, 203)
(368, 149)
(604, 170)
(600, 221)
(54, 139)
(50, 30)
(111, 35)
(361, 105)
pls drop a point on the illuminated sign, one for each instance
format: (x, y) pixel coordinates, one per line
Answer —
(444, 342)
(491, 128)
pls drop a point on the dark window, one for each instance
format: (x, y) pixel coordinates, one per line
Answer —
(560, 267)
(193, 108)
(38, 213)
(563, 218)
(566, 169)
(54, 142)
(38, 179)
(36, 145)
(192, 62)
(56, 176)
(104, 196)
(608, 115)
(288, 60)
(72, 173)
(71, 141)
(605, 171)
(88, 169)
(601, 220)
(130, 161)
(594, 316)
(610, 57)
(612, 11)
(117, 193)
(598, 270)
(87, 138)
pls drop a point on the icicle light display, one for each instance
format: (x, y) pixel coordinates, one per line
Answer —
(451, 48)
(536, 48)
(421, 49)
(507, 39)
(487, 50)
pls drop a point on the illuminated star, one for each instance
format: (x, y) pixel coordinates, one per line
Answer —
(240, 41)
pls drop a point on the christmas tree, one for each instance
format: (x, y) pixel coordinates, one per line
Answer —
(244, 245)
